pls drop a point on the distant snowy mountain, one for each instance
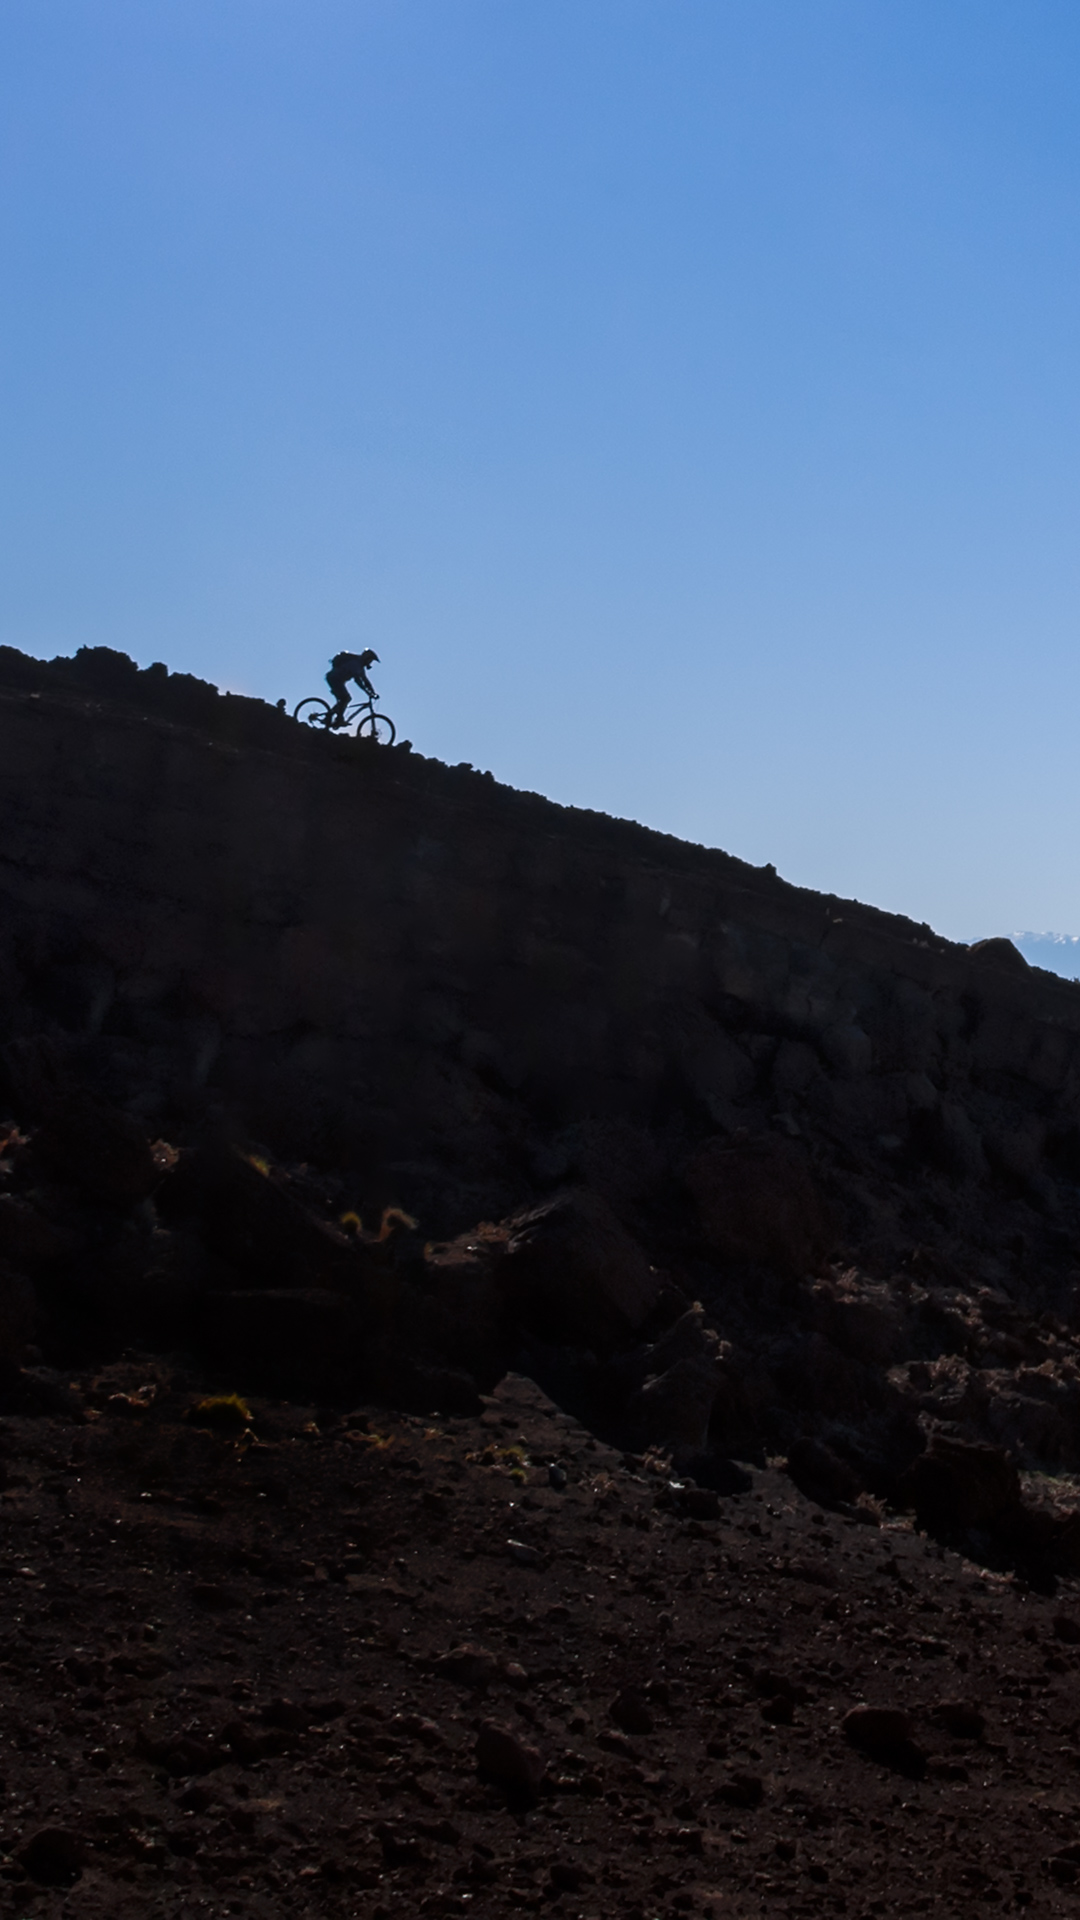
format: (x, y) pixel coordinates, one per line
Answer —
(1057, 952)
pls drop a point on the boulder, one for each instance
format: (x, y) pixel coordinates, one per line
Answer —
(572, 1274)
(884, 1734)
(676, 1382)
(960, 1485)
(757, 1202)
(630, 1711)
(674, 1409)
(469, 1666)
(503, 1757)
(999, 952)
(53, 1857)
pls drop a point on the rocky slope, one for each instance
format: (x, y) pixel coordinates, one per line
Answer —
(379, 1664)
(659, 1292)
(353, 1072)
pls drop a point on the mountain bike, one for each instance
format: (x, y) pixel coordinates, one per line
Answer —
(360, 719)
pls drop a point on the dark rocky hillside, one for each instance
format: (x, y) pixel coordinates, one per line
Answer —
(597, 1226)
(370, 1073)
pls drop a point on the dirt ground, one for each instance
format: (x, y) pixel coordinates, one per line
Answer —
(379, 1665)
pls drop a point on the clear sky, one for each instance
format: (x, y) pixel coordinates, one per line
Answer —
(680, 395)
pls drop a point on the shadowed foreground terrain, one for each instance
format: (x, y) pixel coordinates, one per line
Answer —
(643, 1302)
(385, 1665)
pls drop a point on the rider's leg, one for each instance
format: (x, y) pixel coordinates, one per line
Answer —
(340, 691)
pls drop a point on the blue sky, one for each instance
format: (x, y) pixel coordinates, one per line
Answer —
(680, 395)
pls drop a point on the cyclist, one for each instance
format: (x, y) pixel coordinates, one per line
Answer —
(343, 668)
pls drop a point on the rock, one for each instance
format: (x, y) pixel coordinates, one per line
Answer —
(418, 1728)
(712, 1066)
(248, 1744)
(569, 1877)
(675, 1383)
(1064, 1866)
(675, 1409)
(715, 1472)
(321, 1712)
(773, 1684)
(884, 1733)
(859, 1316)
(742, 1790)
(572, 1273)
(256, 1217)
(466, 1309)
(523, 1554)
(1067, 1629)
(779, 1711)
(820, 1474)
(53, 1857)
(999, 952)
(848, 1049)
(947, 1137)
(876, 1728)
(957, 1485)
(507, 1760)
(630, 1711)
(697, 1503)
(1044, 1543)
(621, 1162)
(399, 1848)
(1030, 1427)
(757, 1202)
(469, 1666)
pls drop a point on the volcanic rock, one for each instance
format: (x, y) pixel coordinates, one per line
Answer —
(506, 1759)
(573, 1273)
(53, 1857)
(957, 1485)
(758, 1202)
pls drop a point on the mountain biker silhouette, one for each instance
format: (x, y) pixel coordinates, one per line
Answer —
(343, 668)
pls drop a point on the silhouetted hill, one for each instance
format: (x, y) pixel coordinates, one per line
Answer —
(761, 1168)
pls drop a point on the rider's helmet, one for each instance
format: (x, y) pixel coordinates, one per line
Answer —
(369, 657)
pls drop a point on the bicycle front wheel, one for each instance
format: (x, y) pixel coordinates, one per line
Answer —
(313, 713)
(377, 726)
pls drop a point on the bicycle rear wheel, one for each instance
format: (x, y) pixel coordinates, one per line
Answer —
(313, 713)
(377, 726)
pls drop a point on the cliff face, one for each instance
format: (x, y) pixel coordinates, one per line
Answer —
(382, 962)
